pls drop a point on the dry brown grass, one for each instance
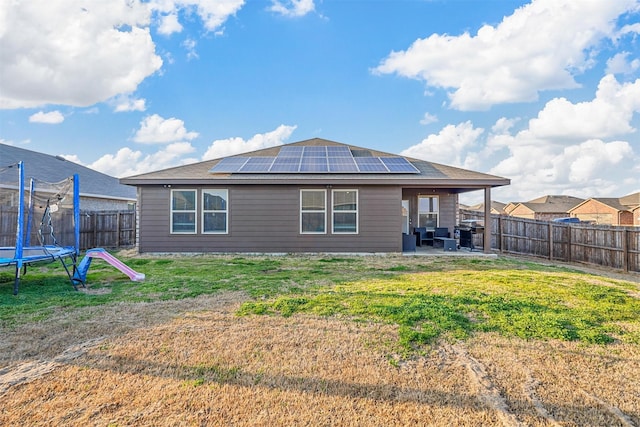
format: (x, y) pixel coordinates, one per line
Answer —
(194, 362)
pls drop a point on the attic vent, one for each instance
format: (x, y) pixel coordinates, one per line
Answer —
(61, 158)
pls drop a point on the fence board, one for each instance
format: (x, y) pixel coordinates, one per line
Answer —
(98, 229)
(607, 246)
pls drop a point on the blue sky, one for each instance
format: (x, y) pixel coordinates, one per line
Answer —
(544, 92)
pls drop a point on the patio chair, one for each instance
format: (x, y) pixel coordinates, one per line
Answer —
(423, 235)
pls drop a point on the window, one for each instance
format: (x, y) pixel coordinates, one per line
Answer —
(428, 211)
(313, 211)
(214, 211)
(183, 211)
(345, 211)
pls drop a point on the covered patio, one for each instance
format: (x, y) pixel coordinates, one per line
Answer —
(431, 219)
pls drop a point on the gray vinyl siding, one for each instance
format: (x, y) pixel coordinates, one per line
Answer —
(266, 219)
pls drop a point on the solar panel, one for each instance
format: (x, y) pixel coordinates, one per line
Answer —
(288, 151)
(257, 164)
(370, 164)
(342, 164)
(314, 159)
(398, 165)
(285, 164)
(229, 165)
(314, 164)
(338, 151)
(315, 152)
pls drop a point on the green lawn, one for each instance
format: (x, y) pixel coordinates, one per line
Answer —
(428, 298)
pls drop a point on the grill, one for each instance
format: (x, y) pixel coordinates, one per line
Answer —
(466, 230)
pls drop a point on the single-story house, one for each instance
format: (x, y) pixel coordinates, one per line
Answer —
(636, 215)
(610, 210)
(545, 208)
(633, 202)
(98, 192)
(509, 207)
(497, 208)
(314, 196)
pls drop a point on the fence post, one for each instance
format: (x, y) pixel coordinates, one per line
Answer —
(118, 220)
(500, 238)
(625, 250)
(569, 244)
(94, 221)
(550, 241)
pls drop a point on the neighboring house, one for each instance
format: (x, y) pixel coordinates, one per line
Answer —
(497, 208)
(98, 192)
(636, 216)
(545, 208)
(509, 207)
(310, 196)
(609, 211)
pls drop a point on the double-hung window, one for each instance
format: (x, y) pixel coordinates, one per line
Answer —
(183, 211)
(313, 211)
(345, 211)
(428, 211)
(215, 210)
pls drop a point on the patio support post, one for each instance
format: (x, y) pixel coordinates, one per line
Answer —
(486, 239)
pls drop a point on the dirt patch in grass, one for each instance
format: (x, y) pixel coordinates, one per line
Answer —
(195, 362)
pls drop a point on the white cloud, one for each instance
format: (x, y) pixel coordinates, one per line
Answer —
(588, 169)
(565, 150)
(620, 64)
(124, 103)
(213, 13)
(72, 158)
(609, 114)
(511, 62)
(157, 130)
(79, 53)
(190, 46)
(448, 146)
(127, 162)
(428, 119)
(169, 24)
(292, 8)
(586, 161)
(569, 148)
(73, 52)
(228, 147)
(52, 117)
(630, 29)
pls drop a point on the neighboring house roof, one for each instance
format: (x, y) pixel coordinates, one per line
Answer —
(53, 169)
(429, 173)
(509, 207)
(553, 203)
(496, 207)
(611, 202)
(631, 199)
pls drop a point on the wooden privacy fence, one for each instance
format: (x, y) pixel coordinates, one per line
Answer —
(98, 229)
(607, 246)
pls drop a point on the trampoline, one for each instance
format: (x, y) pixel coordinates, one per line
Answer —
(46, 201)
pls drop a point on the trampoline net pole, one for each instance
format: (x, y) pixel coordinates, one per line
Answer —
(20, 223)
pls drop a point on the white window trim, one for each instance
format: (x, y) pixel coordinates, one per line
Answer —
(356, 211)
(195, 212)
(226, 211)
(437, 212)
(323, 211)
